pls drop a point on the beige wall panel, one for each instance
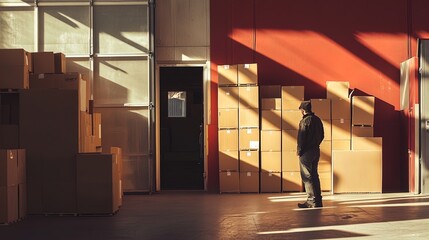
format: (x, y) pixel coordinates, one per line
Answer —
(191, 53)
(191, 22)
(165, 24)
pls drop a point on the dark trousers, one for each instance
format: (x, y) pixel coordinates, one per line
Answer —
(309, 162)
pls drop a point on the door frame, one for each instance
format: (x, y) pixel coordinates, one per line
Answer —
(423, 48)
(206, 115)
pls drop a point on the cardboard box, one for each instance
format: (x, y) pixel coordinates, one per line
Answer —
(363, 110)
(271, 140)
(341, 145)
(349, 167)
(341, 109)
(271, 161)
(292, 181)
(249, 97)
(228, 160)
(271, 182)
(14, 70)
(271, 103)
(13, 57)
(96, 128)
(8, 167)
(229, 182)
(228, 97)
(367, 143)
(341, 129)
(249, 161)
(14, 77)
(291, 119)
(43, 62)
(290, 105)
(46, 163)
(337, 90)
(29, 61)
(97, 183)
(228, 140)
(86, 139)
(270, 91)
(327, 128)
(228, 118)
(248, 118)
(325, 181)
(322, 108)
(325, 161)
(271, 119)
(289, 140)
(248, 74)
(117, 155)
(9, 204)
(227, 75)
(362, 131)
(294, 93)
(72, 80)
(249, 139)
(290, 161)
(60, 63)
(249, 182)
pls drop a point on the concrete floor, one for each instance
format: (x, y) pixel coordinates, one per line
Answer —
(198, 215)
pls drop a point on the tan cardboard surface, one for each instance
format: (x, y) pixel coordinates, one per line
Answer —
(228, 118)
(248, 96)
(271, 141)
(271, 161)
(227, 75)
(249, 161)
(292, 181)
(248, 73)
(248, 117)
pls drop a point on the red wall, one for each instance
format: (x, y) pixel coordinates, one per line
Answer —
(297, 43)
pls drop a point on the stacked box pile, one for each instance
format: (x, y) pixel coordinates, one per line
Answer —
(238, 128)
(51, 118)
(228, 128)
(271, 145)
(248, 124)
(292, 96)
(361, 154)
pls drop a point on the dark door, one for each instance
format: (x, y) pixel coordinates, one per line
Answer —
(181, 99)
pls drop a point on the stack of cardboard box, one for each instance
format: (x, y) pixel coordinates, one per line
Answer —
(271, 145)
(228, 128)
(13, 199)
(357, 163)
(365, 156)
(248, 124)
(238, 104)
(46, 111)
(292, 96)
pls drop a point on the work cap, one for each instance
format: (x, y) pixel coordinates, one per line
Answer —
(305, 105)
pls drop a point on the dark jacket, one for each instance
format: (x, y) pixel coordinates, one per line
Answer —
(310, 133)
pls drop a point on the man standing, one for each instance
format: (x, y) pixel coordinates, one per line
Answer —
(310, 135)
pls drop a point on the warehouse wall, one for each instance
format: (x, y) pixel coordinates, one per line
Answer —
(298, 43)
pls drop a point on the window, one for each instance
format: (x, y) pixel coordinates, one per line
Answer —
(176, 104)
